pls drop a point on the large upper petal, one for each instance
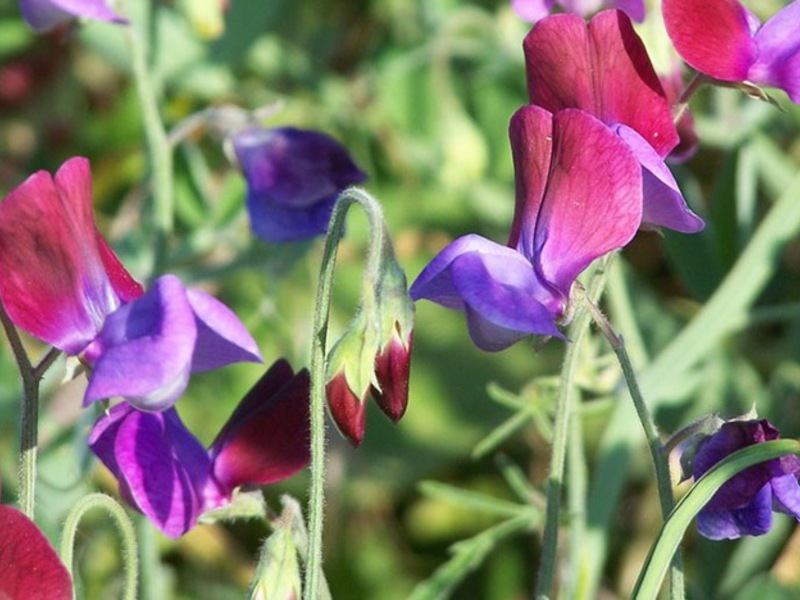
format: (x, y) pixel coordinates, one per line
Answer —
(778, 44)
(593, 201)
(602, 68)
(713, 36)
(55, 283)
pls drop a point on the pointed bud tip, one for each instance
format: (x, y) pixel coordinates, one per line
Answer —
(393, 370)
(347, 410)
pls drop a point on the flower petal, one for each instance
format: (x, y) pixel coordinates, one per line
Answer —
(54, 283)
(222, 339)
(721, 523)
(41, 15)
(786, 495)
(593, 202)
(275, 222)
(778, 43)
(348, 411)
(602, 68)
(713, 36)
(144, 352)
(664, 205)
(267, 437)
(532, 10)
(30, 566)
(162, 469)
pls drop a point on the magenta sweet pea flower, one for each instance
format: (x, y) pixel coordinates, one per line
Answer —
(63, 284)
(578, 197)
(29, 566)
(536, 10)
(165, 472)
(744, 504)
(725, 41)
(43, 15)
(293, 179)
(602, 68)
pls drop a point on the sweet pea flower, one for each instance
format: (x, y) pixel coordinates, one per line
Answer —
(63, 284)
(164, 471)
(29, 565)
(602, 67)
(725, 41)
(578, 197)
(293, 179)
(536, 10)
(43, 15)
(744, 504)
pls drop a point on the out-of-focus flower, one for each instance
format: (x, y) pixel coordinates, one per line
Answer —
(165, 472)
(42, 15)
(29, 566)
(603, 68)
(293, 179)
(578, 197)
(63, 284)
(744, 504)
(725, 41)
(536, 10)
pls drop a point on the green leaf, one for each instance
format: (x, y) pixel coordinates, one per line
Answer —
(473, 500)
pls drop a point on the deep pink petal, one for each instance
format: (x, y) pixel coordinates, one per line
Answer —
(778, 43)
(593, 203)
(29, 566)
(348, 411)
(268, 440)
(54, 283)
(125, 286)
(713, 36)
(602, 68)
(393, 370)
(42, 15)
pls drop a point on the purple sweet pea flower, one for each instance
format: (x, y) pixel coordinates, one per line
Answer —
(536, 10)
(602, 68)
(579, 196)
(29, 566)
(293, 179)
(43, 15)
(63, 284)
(165, 472)
(724, 40)
(744, 504)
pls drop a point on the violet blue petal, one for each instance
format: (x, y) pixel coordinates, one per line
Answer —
(41, 15)
(55, 283)
(533, 10)
(786, 495)
(162, 469)
(144, 351)
(664, 205)
(602, 68)
(713, 36)
(635, 9)
(593, 202)
(292, 169)
(222, 339)
(719, 522)
(778, 60)
(267, 437)
(29, 565)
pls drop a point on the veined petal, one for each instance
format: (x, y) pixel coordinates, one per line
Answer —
(54, 284)
(42, 15)
(144, 351)
(602, 68)
(222, 339)
(778, 43)
(713, 36)
(267, 438)
(664, 205)
(786, 494)
(593, 202)
(162, 469)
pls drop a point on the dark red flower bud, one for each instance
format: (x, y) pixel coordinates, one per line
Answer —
(392, 370)
(347, 409)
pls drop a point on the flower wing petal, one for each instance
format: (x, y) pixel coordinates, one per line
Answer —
(42, 15)
(717, 522)
(778, 62)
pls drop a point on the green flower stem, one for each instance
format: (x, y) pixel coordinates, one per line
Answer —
(660, 461)
(148, 559)
(564, 407)
(123, 523)
(577, 484)
(158, 145)
(322, 308)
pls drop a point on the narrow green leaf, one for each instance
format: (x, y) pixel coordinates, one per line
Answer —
(473, 500)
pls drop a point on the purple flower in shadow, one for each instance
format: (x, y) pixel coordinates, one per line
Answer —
(164, 471)
(293, 179)
(43, 15)
(578, 197)
(744, 504)
(602, 67)
(536, 10)
(724, 40)
(63, 284)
